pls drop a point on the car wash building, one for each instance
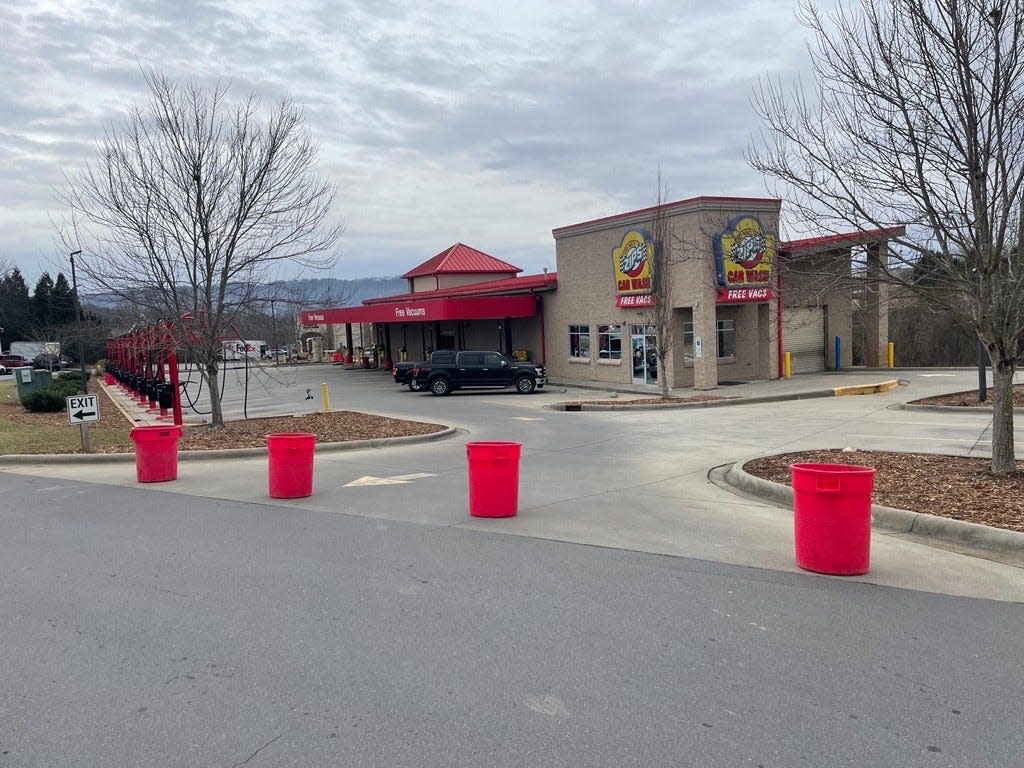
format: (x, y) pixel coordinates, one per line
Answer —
(462, 298)
(700, 291)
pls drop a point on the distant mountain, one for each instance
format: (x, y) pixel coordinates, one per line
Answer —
(326, 291)
(313, 292)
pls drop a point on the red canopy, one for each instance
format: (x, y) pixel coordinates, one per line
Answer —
(427, 310)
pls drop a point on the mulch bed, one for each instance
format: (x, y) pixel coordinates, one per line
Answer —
(956, 487)
(332, 427)
(970, 399)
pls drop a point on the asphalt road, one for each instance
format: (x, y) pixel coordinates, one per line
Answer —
(636, 615)
(143, 628)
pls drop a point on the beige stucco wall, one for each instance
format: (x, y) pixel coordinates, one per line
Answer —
(586, 295)
(418, 284)
(435, 282)
(454, 281)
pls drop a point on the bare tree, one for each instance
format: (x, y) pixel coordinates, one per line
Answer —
(192, 203)
(660, 315)
(917, 118)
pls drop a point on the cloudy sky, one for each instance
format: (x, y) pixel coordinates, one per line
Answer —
(489, 123)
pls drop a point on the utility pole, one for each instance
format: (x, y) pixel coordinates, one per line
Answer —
(982, 362)
(273, 322)
(81, 348)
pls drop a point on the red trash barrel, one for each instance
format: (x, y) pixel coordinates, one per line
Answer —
(832, 517)
(493, 478)
(156, 452)
(291, 464)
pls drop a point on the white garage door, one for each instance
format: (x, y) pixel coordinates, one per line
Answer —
(803, 335)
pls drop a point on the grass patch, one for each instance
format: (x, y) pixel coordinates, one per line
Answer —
(24, 432)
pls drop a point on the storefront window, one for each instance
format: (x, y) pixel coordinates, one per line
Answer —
(579, 341)
(609, 342)
(726, 340)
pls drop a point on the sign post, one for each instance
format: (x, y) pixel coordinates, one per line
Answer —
(83, 409)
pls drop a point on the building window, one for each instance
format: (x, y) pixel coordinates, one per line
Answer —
(579, 341)
(609, 342)
(726, 340)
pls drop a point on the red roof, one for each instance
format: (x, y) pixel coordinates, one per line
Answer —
(508, 285)
(844, 239)
(461, 259)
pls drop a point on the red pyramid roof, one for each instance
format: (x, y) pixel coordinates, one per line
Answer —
(460, 259)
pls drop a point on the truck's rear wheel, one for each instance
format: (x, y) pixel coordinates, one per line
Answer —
(525, 385)
(440, 386)
(415, 386)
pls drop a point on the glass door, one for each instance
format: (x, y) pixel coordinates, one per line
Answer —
(644, 345)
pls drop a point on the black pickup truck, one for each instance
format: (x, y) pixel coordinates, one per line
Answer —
(402, 372)
(472, 369)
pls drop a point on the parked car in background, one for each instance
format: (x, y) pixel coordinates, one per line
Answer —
(402, 372)
(13, 361)
(50, 362)
(472, 369)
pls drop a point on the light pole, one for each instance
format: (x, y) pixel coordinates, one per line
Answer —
(273, 324)
(78, 321)
(81, 350)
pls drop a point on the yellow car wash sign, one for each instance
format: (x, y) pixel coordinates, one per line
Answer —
(634, 263)
(744, 254)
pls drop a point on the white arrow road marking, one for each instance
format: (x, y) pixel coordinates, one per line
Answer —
(527, 418)
(396, 480)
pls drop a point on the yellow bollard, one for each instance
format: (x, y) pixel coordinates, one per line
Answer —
(326, 396)
(892, 355)
(787, 364)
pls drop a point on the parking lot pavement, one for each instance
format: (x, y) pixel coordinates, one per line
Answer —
(629, 480)
(151, 629)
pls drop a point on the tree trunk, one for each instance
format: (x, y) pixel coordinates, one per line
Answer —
(1003, 462)
(213, 387)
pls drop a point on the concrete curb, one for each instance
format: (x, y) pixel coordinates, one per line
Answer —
(975, 409)
(1008, 546)
(216, 455)
(867, 389)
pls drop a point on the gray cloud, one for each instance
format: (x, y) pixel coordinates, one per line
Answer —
(438, 122)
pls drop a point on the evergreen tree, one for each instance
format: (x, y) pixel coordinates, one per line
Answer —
(62, 301)
(42, 309)
(15, 307)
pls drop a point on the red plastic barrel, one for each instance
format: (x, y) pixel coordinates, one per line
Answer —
(832, 517)
(156, 452)
(493, 478)
(291, 464)
(337, 357)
